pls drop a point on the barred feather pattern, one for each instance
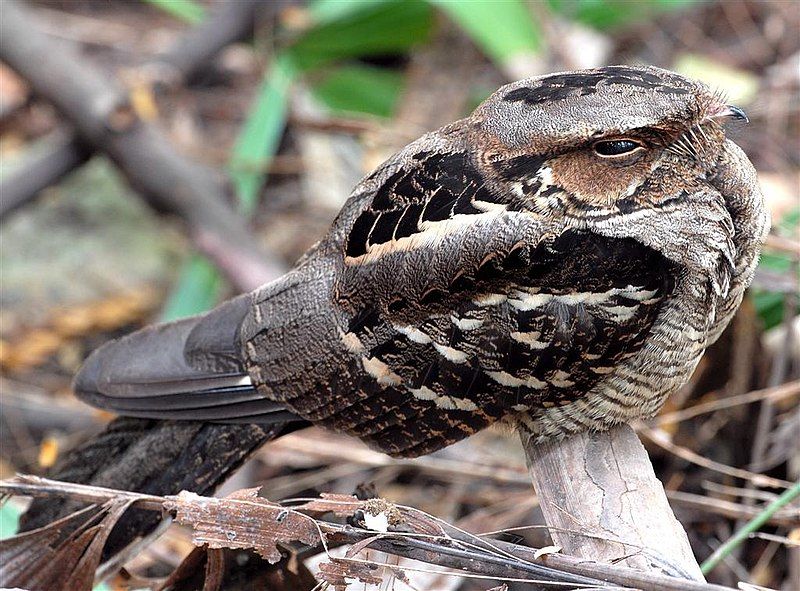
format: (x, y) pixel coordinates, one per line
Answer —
(556, 323)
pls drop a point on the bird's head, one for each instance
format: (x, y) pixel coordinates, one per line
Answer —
(614, 137)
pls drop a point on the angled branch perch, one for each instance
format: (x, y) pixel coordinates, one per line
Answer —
(603, 502)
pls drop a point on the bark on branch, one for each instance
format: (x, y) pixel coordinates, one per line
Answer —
(63, 155)
(229, 22)
(104, 119)
(603, 502)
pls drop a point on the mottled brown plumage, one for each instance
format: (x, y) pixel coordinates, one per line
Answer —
(558, 260)
(512, 266)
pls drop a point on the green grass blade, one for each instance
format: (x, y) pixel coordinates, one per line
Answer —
(261, 133)
(374, 28)
(504, 30)
(197, 290)
(185, 10)
(751, 526)
(327, 11)
(357, 88)
(605, 14)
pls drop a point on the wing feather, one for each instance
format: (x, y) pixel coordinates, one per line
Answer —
(189, 370)
(462, 307)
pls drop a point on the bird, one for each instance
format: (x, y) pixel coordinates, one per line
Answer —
(557, 261)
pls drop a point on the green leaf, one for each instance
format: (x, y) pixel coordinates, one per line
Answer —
(198, 289)
(789, 222)
(9, 520)
(200, 284)
(503, 30)
(261, 133)
(360, 88)
(603, 14)
(365, 29)
(327, 11)
(770, 305)
(186, 10)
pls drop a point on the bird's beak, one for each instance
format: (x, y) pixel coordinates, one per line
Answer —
(732, 112)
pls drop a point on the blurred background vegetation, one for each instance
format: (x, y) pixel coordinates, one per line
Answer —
(291, 115)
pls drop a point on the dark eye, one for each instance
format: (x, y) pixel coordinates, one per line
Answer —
(610, 148)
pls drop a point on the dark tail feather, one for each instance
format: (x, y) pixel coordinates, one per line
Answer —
(153, 457)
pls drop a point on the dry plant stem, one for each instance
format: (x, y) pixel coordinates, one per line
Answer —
(787, 517)
(103, 117)
(603, 502)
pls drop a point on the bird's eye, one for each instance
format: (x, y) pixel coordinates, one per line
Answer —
(620, 147)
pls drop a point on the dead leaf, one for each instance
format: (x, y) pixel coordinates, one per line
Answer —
(338, 504)
(336, 572)
(241, 521)
(544, 551)
(62, 555)
(48, 452)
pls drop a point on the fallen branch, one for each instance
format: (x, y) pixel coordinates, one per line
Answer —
(187, 57)
(244, 520)
(62, 156)
(228, 22)
(105, 119)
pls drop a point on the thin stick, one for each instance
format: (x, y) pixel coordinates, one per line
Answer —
(787, 390)
(660, 439)
(63, 155)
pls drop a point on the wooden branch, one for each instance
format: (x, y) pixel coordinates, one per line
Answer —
(103, 117)
(603, 502)
(63, 155)
(228, 22)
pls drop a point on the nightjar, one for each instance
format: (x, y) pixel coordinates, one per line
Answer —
(559, 260)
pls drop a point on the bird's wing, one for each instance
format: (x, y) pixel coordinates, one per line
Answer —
(461, 307)
(189, 369)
